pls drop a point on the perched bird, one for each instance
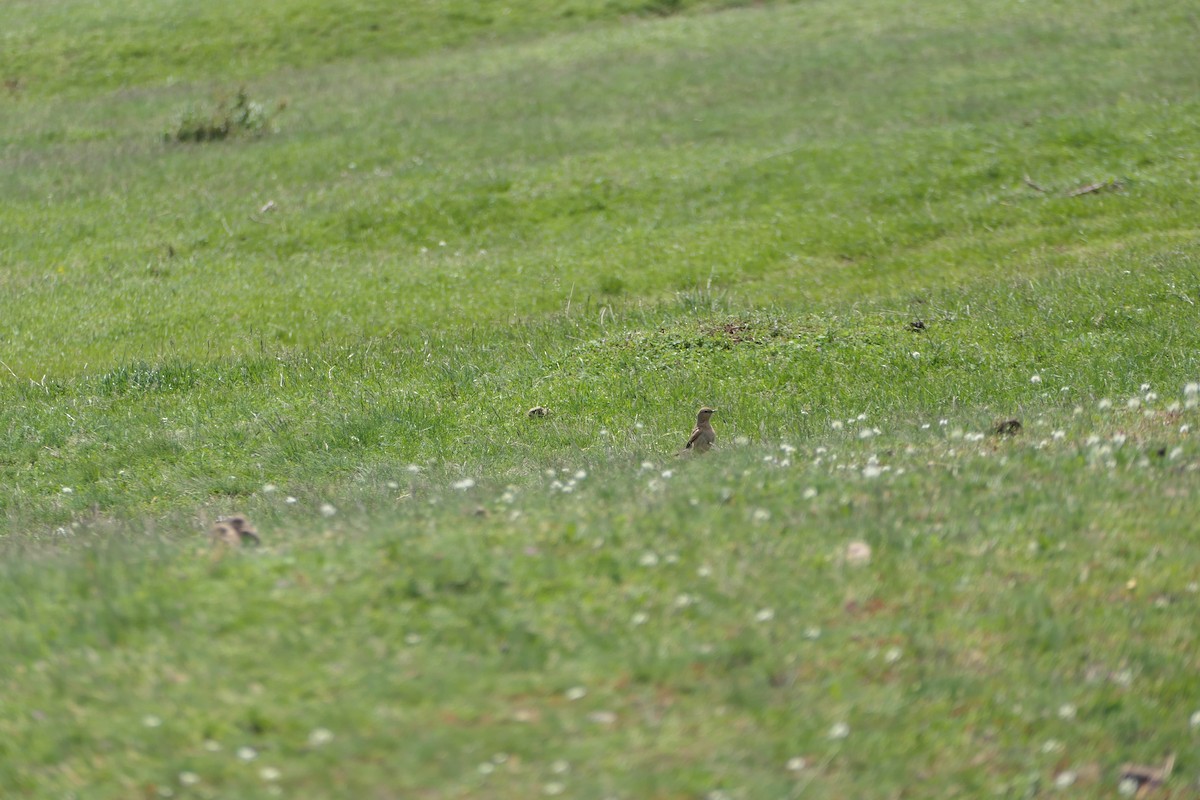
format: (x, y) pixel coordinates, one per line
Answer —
(703, 436)
(233, 532)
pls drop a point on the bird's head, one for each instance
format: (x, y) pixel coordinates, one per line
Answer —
(703, 414)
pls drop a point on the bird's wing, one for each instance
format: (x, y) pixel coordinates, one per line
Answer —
(692, 440)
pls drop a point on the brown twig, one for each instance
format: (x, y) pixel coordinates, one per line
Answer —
(1092, 188)
(1029, 182)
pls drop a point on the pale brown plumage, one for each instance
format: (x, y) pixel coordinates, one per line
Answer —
(703, 435)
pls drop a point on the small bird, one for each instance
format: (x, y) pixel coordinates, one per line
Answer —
(537, 412)
(233, 532)
(703, 436)
(1008, 427)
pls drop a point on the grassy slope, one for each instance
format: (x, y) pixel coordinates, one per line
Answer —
(75, 46)
(564, 175)
(743, 208)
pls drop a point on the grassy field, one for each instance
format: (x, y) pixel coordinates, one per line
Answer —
(856, 231)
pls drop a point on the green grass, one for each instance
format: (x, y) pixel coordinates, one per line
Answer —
(73, 46)
(621, 211)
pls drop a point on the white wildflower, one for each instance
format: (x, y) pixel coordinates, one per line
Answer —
(1064, 779)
